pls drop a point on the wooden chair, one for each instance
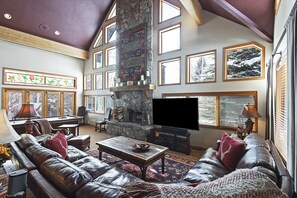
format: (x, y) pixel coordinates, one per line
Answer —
(82, 113)
(101, 125)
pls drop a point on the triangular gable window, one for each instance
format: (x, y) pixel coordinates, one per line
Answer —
(112, 12)
(99, 40)
(168, 10)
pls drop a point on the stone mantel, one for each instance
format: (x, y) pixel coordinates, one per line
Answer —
(145, 88)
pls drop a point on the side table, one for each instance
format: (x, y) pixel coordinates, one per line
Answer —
(71, 126)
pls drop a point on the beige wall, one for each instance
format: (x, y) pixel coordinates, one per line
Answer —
(216, 33)
(28, 58)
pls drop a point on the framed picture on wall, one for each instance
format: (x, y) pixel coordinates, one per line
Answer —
(244, 62)
(201, 67)
(88, 82)
(97, 60)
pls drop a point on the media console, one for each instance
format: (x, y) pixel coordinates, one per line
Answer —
(176, 139)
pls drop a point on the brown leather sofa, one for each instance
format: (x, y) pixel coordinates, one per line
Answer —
(80, 175)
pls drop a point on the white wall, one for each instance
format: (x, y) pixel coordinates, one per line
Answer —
(281, 18)
(28, 58)
(216, 33)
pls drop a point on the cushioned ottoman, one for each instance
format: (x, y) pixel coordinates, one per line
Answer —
(82, 142)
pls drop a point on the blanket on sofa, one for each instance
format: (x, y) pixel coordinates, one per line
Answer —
(240, 183)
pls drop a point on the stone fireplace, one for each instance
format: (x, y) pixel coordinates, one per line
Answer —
(134, 64)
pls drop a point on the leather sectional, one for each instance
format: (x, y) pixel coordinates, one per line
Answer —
(80, 175)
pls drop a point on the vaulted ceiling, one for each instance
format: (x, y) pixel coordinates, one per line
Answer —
(77, 21)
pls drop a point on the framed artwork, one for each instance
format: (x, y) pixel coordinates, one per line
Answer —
(88, 82)
(201, 67)
(98, 81)
(97, 60)
(132, 52)
(244, 62)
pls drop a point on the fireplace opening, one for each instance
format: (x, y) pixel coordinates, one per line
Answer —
(135, 116)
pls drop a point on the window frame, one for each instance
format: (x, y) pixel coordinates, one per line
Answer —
(106, 32)
(113, 10)
(95, 81)
(107, 50)
(26, 98)
(161, 13)
(107, 73)
(95, 59)
(188, 71)
(97, 43)
(218, 94)
(88, 87)
(164, 30)
(160, 71)
(242, 46)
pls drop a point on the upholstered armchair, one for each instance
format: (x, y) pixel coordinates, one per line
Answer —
(43, 126)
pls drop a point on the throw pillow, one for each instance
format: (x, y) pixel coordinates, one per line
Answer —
(61, 136)
(59, 144)
(230, 151)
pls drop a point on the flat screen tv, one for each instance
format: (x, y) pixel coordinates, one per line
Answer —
(176, 112)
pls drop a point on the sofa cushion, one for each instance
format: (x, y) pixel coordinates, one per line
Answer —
(267, 172)
(208, 168)
(65, 176)
(257, 156)
(26, 141)
(38, 154)
(107, 185)
(230, 151)
(74, 154)
(93, 166)
(255, 140)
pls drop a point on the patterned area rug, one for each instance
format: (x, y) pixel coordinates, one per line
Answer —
(175, 166)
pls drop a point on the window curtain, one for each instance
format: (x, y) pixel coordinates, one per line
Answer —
(292, 95)
(270, 102)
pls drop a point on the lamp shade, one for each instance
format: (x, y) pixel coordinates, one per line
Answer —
(27, 111)
(7, 133)
(250, 111)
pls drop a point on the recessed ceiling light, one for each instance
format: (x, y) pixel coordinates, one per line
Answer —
(7, 16)
(57, 33)
(44, 27)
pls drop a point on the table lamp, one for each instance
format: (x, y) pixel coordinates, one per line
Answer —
(249, 111)
(7, 134)
(27, 111)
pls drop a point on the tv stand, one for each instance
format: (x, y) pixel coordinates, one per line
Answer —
(176, 139)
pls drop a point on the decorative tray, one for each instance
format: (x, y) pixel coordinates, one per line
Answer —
(141, 147)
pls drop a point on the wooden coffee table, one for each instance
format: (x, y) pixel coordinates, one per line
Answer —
(121, 147)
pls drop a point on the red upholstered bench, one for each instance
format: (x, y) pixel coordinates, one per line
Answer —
(82, 142)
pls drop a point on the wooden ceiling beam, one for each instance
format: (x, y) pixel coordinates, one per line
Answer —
(244, 19)
(194, 8)
(22, 38)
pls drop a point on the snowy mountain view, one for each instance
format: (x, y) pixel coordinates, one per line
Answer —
(244, 63)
